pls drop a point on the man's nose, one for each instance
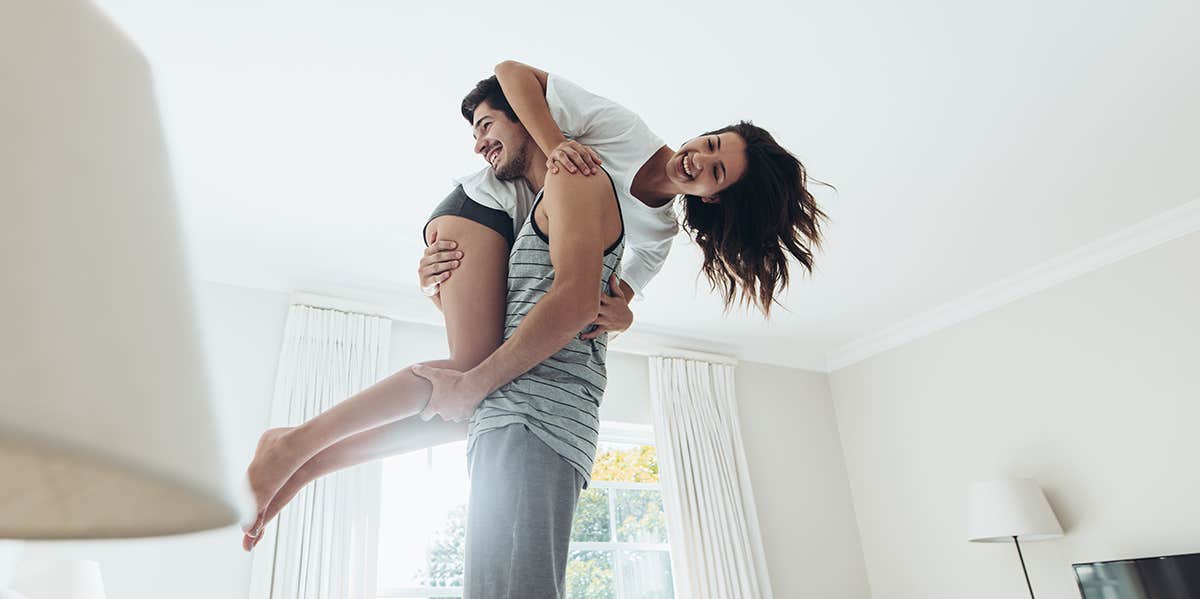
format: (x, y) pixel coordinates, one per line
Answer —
(480, 144)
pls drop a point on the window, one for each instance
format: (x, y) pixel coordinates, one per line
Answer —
(422, 523)
(619, 546)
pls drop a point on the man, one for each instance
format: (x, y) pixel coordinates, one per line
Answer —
(533, 437)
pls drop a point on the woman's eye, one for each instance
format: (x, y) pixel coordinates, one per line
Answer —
(710, 146)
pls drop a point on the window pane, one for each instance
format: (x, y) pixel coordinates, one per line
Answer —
(640, 517)
(447, 553)
(621, 462)
(422, 518)
(646, 575)
(590, 575)
(591, 517)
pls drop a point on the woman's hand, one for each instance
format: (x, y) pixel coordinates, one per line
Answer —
(436, 263)
(575, 157)
(615, 315)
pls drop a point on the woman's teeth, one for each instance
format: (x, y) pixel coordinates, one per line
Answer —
(686, 168)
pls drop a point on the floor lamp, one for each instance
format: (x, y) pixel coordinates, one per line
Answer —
(1011, 510)
(107, 427)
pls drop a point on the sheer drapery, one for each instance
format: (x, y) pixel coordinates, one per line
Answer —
(716, 546)
(322, 545)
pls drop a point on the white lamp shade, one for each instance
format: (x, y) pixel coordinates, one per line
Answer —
(106, 425)
(46, 579)
(999, 510)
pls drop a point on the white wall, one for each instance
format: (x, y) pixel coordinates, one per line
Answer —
(1091, 387)
(800, 486)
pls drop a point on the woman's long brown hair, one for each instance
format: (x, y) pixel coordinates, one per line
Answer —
(759, 221)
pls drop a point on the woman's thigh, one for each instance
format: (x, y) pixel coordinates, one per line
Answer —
(473, 297)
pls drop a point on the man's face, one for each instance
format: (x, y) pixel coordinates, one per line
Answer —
(504, 144)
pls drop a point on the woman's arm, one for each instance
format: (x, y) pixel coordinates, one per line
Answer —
(525, 88)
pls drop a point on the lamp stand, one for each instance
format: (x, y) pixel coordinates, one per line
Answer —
(1023, 569)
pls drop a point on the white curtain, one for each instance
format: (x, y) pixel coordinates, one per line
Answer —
(323, 544)
(716, 547)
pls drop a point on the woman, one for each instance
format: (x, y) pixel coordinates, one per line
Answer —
(745, 203)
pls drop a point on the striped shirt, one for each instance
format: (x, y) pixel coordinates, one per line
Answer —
(559, 399)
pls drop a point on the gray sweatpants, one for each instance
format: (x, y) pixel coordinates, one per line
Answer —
(519, 517)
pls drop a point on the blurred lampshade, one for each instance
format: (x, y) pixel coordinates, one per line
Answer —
(106, 423)
(1002, 509)
(73, 579)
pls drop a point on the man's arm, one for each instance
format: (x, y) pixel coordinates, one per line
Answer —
(583, 220)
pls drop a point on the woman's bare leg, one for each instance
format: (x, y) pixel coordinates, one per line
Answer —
(394, 438)
(472, 302)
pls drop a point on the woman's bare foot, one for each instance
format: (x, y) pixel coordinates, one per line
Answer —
(282, 497)
(274, 463)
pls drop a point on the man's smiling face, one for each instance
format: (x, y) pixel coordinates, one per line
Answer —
(504, 144)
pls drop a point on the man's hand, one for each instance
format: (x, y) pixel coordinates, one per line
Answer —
(575, 157)
(436, 263)
(455, 394)
(615, 315)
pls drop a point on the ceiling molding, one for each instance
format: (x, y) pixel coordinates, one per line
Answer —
(1152, 232)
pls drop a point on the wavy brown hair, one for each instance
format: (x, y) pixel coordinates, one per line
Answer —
(760, 220)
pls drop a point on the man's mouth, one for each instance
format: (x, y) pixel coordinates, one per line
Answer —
(493, 156)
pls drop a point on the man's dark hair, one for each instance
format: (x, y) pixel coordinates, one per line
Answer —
(488, 91)
(759, 221)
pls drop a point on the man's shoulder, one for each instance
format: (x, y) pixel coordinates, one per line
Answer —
(566, 188)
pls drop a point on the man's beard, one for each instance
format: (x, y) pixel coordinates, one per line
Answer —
(515, 168)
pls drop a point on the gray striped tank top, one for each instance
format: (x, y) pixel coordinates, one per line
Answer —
(559, 399)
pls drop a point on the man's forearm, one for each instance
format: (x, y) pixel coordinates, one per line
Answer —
(548, 327)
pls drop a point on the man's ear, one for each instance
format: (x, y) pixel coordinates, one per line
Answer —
(711, 200)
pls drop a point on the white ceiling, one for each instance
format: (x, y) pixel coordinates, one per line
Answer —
(968, 141)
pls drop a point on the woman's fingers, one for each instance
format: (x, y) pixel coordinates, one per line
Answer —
(569, 159)
(582, 161)
(593, 161)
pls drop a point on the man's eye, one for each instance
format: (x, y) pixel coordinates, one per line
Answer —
(710, 146)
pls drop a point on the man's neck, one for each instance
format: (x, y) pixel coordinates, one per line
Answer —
(535, 171)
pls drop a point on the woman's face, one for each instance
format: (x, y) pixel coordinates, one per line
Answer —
(708, 164)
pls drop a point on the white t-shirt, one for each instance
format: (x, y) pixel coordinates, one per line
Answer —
(624, 144)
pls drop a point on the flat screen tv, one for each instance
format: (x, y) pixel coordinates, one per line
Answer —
(1167, 577)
